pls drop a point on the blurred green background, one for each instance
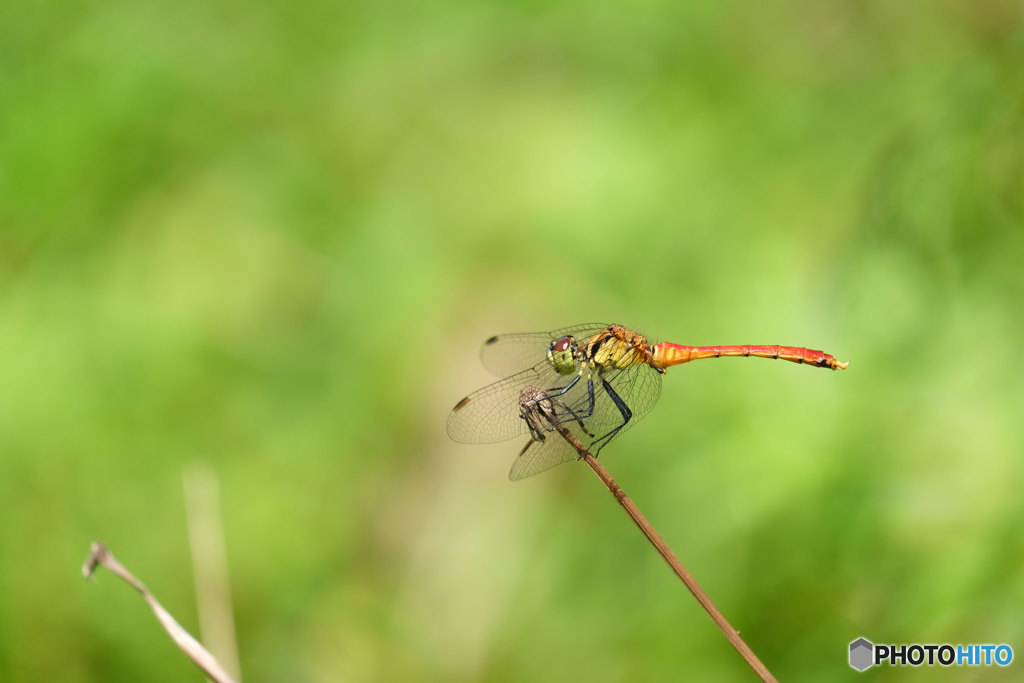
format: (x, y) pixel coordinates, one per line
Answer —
(271, 239)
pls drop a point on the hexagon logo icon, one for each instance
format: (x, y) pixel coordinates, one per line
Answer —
(861, 654)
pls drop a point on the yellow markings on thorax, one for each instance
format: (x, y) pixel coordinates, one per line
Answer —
(617, 348)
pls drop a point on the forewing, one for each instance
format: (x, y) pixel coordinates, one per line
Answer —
(506, 354)
(492, 414)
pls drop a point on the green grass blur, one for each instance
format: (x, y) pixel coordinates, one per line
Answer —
(271, 238)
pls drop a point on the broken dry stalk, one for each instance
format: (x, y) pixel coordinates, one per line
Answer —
(100, 555)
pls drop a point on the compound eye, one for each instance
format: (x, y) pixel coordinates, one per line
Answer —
(561, 357)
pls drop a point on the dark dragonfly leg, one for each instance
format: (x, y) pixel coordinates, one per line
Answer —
(561, 391)
(536, 434)
(545, 412)
(540, 416)
(578, 417)
(552, 418)
(627, 415)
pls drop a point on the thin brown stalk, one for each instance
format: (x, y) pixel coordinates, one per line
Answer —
(100, 555)
(659, 544)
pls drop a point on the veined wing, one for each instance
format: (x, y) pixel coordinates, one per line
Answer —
(505, 354)
(539, 456)
(497, 412)
(638, 386)
(492, 414)
(551, 423)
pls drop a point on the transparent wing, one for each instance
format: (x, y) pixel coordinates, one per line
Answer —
(594, 407)
(550, 421)
(638, 386)
(492, 414)
(506, 354)
(539, 456)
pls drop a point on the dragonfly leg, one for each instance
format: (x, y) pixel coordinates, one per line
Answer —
(590, 397)
(560, 391)
(578, 417)
(590, 393)
(554, 418)
(627, 415)
(590, 405)
(543, 412)
(540, 416)
(536, 433)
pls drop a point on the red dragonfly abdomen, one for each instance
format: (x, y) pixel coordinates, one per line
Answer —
(667, 354)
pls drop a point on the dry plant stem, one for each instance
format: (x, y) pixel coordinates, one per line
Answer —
(99, 555)
(659, 544)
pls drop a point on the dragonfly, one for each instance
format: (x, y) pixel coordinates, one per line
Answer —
(594, 380)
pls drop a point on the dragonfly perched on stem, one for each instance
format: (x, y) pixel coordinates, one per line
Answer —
(594, 380)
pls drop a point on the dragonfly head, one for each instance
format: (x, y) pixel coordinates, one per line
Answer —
(561, 356)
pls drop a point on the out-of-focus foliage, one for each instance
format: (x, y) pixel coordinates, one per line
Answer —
(271, 236)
